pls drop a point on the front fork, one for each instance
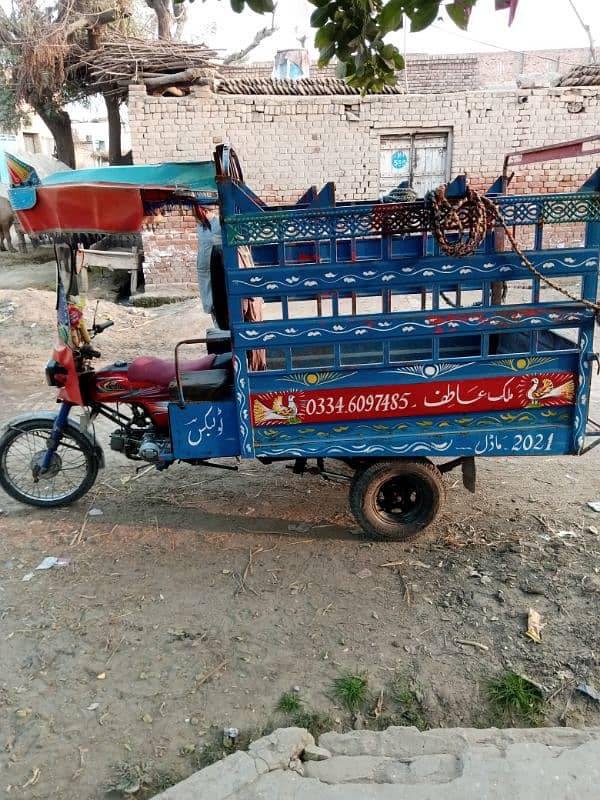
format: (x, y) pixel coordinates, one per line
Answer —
(56, 435)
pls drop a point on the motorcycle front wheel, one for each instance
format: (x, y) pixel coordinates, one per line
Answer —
(72, 471)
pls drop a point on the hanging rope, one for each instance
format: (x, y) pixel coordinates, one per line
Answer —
(468, 217)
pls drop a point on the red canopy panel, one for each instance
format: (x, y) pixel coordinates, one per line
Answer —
(86, 208)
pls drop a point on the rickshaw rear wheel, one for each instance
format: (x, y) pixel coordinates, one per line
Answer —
(396, 499)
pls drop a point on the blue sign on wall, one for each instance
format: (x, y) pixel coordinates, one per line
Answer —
(399, 159)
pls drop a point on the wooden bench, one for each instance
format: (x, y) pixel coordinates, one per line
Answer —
(114, 259)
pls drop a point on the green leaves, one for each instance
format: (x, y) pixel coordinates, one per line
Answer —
(11, 114)
(353, 33)
(11, 110)
(325, 36)
(321, 15)
(390, 17)
(424, 16)
(459, 12)
(259, 6)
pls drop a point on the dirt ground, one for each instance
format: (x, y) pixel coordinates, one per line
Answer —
(198, 596)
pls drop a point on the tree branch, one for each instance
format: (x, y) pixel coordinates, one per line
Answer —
(587, 29)
(7, 31)
(263, 34)
(179, 18)
(164, 17)
(91, 20)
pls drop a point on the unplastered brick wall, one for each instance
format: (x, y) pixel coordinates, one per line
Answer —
(170, 247)
(289, 143)
(424, 73)
(447, 73)
(501, 70)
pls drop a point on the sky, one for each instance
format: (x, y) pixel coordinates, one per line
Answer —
(539, 24)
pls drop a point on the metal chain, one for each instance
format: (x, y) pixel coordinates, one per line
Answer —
(444, 214)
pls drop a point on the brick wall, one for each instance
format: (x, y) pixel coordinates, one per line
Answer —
(501, 70)
(289, 143)
(450, 73)
(170, 247)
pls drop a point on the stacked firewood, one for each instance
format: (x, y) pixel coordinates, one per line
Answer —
(121, 61)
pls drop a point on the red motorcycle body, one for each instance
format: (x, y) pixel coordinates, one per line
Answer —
(114, 385)
(143, 383)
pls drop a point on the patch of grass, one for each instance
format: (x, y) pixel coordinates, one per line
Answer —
(351, 690)
(212, 751)
(159, 780)
(217, 748)
(315, 722)
(513, 696)
(408, 696)
(125, 778)
(138, 779)
(382, 722)
(289, 703)
(248, 735)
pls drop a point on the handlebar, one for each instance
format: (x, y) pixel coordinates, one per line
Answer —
(102, 326)
(87, 351)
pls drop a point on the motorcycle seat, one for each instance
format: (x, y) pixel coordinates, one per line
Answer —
(210, 384)
(218, 341)
(158, 372)
(224, 361)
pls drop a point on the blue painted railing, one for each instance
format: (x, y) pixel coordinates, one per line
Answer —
(317, 251)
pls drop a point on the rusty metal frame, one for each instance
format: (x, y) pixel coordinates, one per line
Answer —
(177, 371)
(551, 152)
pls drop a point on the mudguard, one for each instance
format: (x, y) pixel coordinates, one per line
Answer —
(49, 415)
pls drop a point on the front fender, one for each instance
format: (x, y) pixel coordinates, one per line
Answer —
(51, 416)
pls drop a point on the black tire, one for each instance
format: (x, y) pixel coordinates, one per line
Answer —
(227, 163)
(396, 499)
(21, 434)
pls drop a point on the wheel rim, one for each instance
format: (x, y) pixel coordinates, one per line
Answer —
(402, 499)
(37, 462)
(22, 461)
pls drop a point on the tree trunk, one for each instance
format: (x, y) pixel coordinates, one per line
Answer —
(180, 18)
(114, 128)
(164, 17)
(58, 122)
(90, 20)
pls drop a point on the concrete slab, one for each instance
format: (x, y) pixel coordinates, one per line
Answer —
(405, 764)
